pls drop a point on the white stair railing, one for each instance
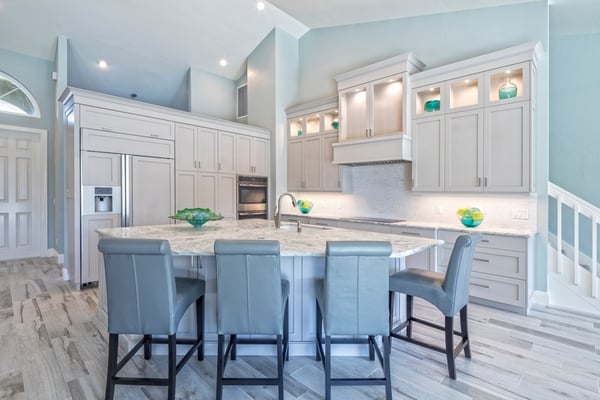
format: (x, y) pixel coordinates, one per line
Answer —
(579, 207)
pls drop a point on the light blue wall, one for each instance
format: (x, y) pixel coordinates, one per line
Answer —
(36, 75)
(212, 95)
(435, 40)
(272, 76)
(574, 114)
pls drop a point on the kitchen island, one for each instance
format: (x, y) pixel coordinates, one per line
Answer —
(302, 261)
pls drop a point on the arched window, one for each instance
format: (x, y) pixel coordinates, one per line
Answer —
(15, 98)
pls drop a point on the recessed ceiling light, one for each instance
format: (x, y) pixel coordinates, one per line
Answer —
(260, 4)
(102, 64)
(223, 62)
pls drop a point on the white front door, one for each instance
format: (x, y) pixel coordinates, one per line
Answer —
(22, 191)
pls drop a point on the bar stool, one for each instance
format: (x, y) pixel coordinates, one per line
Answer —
(145, 298)
(252, 299)
(351, 301)
(448, 292)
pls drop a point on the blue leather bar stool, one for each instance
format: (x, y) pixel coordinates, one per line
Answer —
(145, 298)
(352, 301)
(448, 292)
(252, 299)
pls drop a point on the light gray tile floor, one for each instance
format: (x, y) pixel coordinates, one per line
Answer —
(52, 347)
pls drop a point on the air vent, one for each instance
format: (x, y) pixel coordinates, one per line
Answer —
(242, 101)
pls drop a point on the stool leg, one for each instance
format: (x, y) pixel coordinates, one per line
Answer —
(449, 328)
(286, 331)
(113, 349)
(464, 331)
(200, 326)
(328, 367)
(409, 315)
(233, 340)
(172, 366)
(147, 347)
(371, 340)
(319, 329)
(387, 345)
(220, 341)
(280, 366)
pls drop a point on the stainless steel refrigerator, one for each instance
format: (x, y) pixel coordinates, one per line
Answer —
(120, 190)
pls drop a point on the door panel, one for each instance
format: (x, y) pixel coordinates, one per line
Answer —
(20, 195)
(152, 185)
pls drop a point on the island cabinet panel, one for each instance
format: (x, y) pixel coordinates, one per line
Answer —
(424, 259)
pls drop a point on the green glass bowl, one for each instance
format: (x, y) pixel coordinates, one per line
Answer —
(196, 216)
(507, 92)
(431, 105)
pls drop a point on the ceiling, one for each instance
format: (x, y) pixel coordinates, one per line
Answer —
(149, 45)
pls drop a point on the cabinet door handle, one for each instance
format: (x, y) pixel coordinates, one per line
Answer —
(485, 181)
(104, 128)
(481, 259)
(478, 181)
(219, 166)
(199, 164)
(480, 285)
(366, 132)
(195, 164)
(154, 135)
(485, 240)
(410, 233)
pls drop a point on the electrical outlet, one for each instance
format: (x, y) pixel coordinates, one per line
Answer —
(520, 214)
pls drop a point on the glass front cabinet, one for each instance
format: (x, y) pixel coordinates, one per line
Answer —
(472, 124)
(313, 129)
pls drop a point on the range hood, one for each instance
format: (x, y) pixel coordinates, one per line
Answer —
(374, 150)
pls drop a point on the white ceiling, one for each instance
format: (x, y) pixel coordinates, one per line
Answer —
(151, 44)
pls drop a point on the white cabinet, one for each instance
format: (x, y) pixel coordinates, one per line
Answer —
(196, 189)
(374, 105)
(311, 135)
(472, 129)
(100, 169)
(252, 156)
(91, 257)
(226, 153)
(502, 273)
(226, 196)
(124, 122)
(195, 148)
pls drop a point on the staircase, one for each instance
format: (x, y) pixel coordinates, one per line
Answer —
(572, 252)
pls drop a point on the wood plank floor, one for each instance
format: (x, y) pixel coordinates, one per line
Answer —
(52, 347)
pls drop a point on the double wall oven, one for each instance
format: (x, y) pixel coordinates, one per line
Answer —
(252, 195)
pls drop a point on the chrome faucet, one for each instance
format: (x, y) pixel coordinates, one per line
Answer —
(277, 215)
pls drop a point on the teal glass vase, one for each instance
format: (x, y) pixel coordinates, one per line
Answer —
(507, 91)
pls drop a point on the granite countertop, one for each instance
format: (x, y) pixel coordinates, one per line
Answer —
(185, 240)
(484, 228)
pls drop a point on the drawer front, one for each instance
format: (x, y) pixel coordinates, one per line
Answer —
(500, 290)
(362, 226)
(509, 264)
(116, 121)
(413, 231)
(512, 243)
(111, 142)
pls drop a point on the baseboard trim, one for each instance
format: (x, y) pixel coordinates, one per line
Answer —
(540, 298)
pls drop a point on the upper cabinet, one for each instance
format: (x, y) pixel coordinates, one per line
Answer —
(195, 148)
(313, 129)
(374, 100)
(252, 155)
(472, 123)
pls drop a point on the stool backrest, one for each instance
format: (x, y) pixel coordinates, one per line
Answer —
(356, 288)
(249, 288)
(458, 274)
(140, 286)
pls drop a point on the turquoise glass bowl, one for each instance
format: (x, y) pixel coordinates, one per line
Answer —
(470, 222)
(304, 206)
(431, 105)
(196, 216)
(507, 92)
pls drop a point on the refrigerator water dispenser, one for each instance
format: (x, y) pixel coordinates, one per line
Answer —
(101, 199)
